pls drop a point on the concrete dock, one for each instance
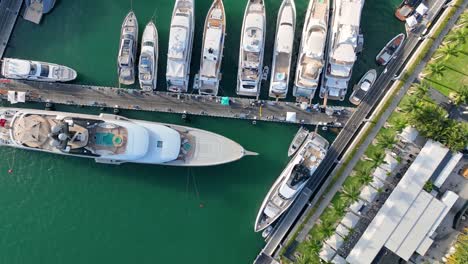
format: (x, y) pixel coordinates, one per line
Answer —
(239, 108)
(9, 10)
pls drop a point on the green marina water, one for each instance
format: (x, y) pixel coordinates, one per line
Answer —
(68, 210)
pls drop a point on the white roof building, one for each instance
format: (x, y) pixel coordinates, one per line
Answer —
(410, 215)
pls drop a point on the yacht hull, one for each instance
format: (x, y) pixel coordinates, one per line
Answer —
(282, 53)
(276, 202)
(390, 50)
(208, 148)
(178, 70)
(358, 93)
(126, 60)
(8, 71)
(212, 50)
(148, 75)
(255, 10)
(312, 48)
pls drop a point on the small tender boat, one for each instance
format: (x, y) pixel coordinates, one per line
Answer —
(127, 52)
(406, 8)
(180, 46)
(390, 50)
(363, 86)
(148, 63)
(283, 49)
(212, 49)
(311, 53)
(252, 47)
(36, 71)
(292, 180)
(297, 141)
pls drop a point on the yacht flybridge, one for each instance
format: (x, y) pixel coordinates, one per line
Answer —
(212, 49)
(292, 180)
(342, 48)
(252, 47)
(311, 53)
(114, 139)
(148, 63)
(180, 46)
(283, 49)
(126, 60)
(36, 71)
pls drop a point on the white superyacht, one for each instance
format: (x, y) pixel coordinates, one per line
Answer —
(114, 139)
(311, 53)
(283, 49)
(292, 180)
(342, 48)
(36, 71)
(180, 46)
(212, 50)
(252, 49)
(148, 62)
(126, 60)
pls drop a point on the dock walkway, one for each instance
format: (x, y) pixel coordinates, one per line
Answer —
(240, 108)
(9, 10)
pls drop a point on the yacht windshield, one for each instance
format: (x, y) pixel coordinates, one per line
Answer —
(299, 175)
(44, 71)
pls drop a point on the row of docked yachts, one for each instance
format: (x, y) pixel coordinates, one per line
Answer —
(341, 44)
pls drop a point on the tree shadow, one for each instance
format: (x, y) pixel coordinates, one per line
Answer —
(439, 83)
(455, 70)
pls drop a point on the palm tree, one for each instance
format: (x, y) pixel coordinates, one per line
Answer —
(461, 97)
(365, 179)
(377, 158)
(326, 230)
(386, 140)
(411, 104)
(463, 19)
(400, 123)
(350, 194)
(314, 246)
(436, 70)
(447, 51)
(302, 259)
(363, 170)
(421, 89)
(458, 36)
